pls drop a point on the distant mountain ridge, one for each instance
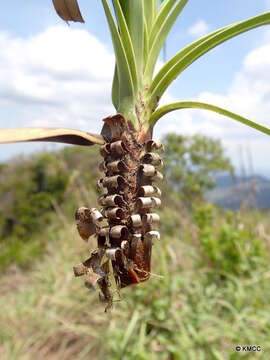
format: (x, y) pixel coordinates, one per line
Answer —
(232, 192)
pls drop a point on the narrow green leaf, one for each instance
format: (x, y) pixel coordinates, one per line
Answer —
(163, 110)
(126, 40)
(126, 90)
(174, 60)
(133, 13)
(60, 135)
(166, 17)
(115, 89)
(149, 7)
(145, 44)
(202, 48)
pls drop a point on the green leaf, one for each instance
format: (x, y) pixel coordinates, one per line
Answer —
(127, 44)
(169, 64)
(202, 48)
(60, 135)
(163, 110)
(150, 9)
(165, 19)
(126, 90)
(115, 89)
(133, 13)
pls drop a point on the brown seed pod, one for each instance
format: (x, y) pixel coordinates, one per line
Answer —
(113, 200)
(152, 235)
(116, 181)
(85, 223)
(118, 148)
(80, 269)
(154, 145)
(105, 150)
(136, 220)
(117, 166)
(119, 231)
(151, 218)
(148, 170)
(115, 213)
(152, 158)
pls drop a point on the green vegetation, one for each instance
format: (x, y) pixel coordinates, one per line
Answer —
(209, 289)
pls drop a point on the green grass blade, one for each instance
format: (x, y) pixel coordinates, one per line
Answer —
(133, 13)
(163, 24)
(205, 106)
(115, 89)
(145, 44)
(126, 40)
(126, 90)
(205, 46)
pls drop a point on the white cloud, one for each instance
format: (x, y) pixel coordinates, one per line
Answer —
(198, 29)
(60, 77)
(248, 95)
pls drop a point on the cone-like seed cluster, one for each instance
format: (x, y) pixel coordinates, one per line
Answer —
(123, 225)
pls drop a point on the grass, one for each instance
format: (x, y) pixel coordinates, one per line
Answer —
(183, 312)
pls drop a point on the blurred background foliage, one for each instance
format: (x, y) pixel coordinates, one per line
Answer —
(209, 290)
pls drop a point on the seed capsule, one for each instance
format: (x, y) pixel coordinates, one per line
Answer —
(114, 181)
(115, 213)
(146, 190)
(151, 218)
(91, 280)
(144, 202)
(105, 150)
(117, 166)
(152, 234)
(118, 148)
(85, 223)
(119, 231)
(104, 231)
(154, 145)
(96, 215)
(80, 270)
(151, 158)
(113, 200)
(157, 191)
(156, 201)
(112, 253)
(148, 170)
(136, 220)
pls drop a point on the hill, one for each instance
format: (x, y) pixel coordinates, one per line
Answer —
(233, 192)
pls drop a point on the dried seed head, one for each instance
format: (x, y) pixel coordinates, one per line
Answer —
(113, 200)
(116, 181)
(146, 190)
(144, 203)
(118, 148)
(117, 166)
(105, 150)
(113, 253)
(148, 170)
(152, 234)
(158, 176)
(115, 213)
(80, 269)
(151, 158)
(136, 220)
(85, 223)
(125, 246)
(154, 145)
(104, 231)
(157, 190)
(119, 231)
(91, 280)
(156, 201)
(151, 218)
(96, 215)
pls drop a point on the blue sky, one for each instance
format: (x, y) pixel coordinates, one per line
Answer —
(55, 75)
